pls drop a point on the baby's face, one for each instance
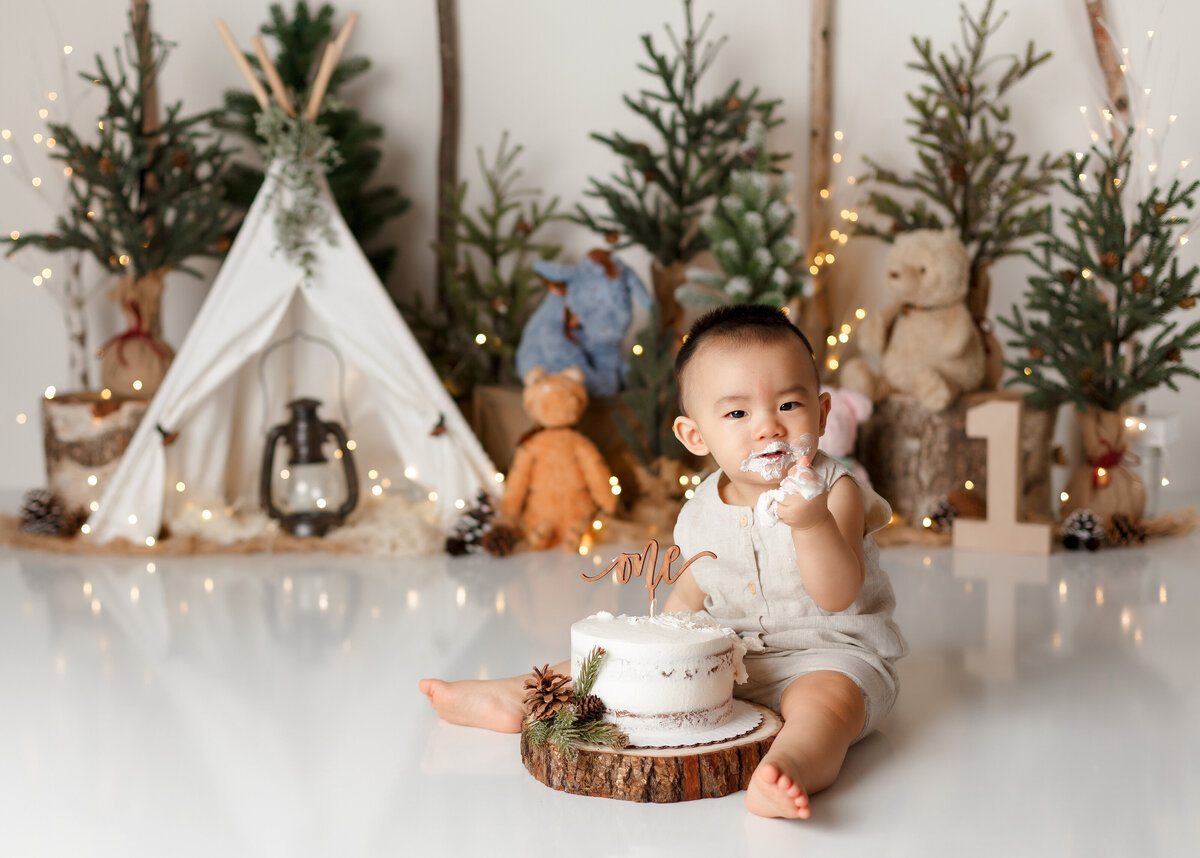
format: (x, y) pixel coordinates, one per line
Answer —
(745, 400)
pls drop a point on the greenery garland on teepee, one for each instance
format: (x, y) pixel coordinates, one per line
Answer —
(970, 177)
(301, 37)
(1097, 331)
(304, 153)
(658, 197)
(750, 234)
(471, 332)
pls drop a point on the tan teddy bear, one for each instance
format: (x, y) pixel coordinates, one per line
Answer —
(928, 344)
(558, 478)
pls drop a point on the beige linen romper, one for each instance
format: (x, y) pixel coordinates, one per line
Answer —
(754, 587)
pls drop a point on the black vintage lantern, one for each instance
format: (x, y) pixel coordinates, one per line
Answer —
(314, 494)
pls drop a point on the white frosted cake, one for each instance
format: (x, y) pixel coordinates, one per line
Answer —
(666, 681)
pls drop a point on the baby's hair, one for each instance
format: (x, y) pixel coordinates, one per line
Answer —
(741, 323)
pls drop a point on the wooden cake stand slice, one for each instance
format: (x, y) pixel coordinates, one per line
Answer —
(655, 774)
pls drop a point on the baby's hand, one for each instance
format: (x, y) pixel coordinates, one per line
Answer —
(804, 502)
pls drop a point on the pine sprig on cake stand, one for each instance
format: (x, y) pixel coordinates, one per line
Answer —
(576, 722)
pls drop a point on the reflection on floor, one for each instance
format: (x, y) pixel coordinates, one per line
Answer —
(268, 706)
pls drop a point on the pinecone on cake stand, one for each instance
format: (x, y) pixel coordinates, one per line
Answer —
(590, 707)
(545, 693)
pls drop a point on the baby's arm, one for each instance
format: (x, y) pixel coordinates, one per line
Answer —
(827, 533)
(686, 595)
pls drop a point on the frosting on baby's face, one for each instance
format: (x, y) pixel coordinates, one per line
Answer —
(774, 460)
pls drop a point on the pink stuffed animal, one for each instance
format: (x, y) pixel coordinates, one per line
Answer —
(847, 410)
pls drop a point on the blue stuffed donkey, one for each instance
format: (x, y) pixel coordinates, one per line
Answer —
(582, 321)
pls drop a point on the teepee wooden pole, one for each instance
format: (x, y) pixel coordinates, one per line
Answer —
(256, 87)
(1110, 65)
(273, 77)
(333, 55)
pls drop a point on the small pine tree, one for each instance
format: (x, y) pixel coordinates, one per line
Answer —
(146, 196)
(471, 333)
(750, 234)
(970, 177)
(657, 199)
(301, 38)
(1098, 331)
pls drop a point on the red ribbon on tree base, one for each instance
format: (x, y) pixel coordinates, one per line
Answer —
(1106, 462)
(136, 332)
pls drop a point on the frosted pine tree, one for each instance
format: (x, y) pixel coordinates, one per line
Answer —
(749, 233)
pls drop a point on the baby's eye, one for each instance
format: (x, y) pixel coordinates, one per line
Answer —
(736, 414)
(788, 406)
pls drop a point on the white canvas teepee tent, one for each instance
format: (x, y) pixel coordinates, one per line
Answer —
(202, 438)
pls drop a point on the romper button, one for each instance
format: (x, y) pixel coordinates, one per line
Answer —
(743, 521)
(753, 589)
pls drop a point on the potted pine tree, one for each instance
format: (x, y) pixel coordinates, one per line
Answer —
(1098, 329)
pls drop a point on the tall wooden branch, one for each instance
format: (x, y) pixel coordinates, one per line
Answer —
(1110, 65)
(447, 174)
(820, 160)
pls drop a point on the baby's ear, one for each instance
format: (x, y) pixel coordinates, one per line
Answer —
(826, 403)
(688, 433)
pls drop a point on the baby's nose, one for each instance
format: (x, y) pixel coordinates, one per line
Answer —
(770, 426)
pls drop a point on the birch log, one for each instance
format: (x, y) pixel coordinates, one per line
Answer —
(820, 170)
(1110, 65)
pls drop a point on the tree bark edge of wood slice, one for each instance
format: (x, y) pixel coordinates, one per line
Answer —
(655, 775)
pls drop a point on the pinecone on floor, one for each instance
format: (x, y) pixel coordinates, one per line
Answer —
(545, 693)
(472, 526)
(590, 707)
(42, 514)
(499, 540)
(1124, 530)
(943, 515)
(1082, 529)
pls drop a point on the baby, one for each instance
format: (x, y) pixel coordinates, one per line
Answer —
(796, 574)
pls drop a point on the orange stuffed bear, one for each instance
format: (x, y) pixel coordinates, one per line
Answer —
(558, 478)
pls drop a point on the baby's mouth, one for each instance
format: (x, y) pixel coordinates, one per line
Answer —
(772, 461)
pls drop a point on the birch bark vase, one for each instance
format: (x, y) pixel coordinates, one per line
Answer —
(134, 362)
(1103, 482)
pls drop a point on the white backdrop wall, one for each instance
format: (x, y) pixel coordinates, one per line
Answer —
(550, 72)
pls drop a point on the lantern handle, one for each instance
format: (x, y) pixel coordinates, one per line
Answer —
(291, 338)
(347, 507)
(268, 472)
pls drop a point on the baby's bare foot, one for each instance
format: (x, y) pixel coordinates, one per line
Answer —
(493, 704)
(774, 793)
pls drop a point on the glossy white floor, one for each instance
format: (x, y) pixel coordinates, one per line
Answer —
(262, 706)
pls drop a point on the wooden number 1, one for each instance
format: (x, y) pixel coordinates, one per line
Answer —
(998, 422)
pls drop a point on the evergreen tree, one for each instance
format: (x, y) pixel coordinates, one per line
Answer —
(471, 333)
(970, 177)
(658, 197)
(146, 195)
(750, 235)
(301, 39)
(1098, 330)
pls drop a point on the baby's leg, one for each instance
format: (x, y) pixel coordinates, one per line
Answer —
(493, 704)
(823, 713)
